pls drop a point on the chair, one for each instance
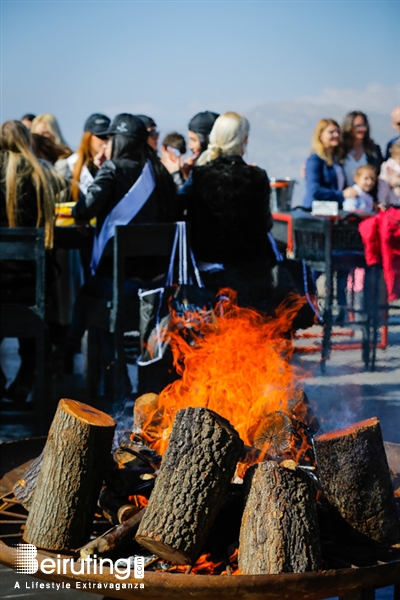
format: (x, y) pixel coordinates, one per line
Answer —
(326, 245)
(23, 320)
(131, 241)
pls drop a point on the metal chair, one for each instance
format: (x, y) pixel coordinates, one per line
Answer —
(115, 316)
(326, 245)
(26, 244)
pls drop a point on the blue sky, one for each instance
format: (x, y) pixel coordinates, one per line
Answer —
(172, 59)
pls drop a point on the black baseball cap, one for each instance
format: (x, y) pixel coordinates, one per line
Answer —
(203, 122)
(128, 125)
(148, 121)
(97, 124)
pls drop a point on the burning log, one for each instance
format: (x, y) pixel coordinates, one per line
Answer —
(25, 487)
(78, 446)
(144, 406)
(356, 481)
(116, 510)
(279, 531)
(113, 539)
(191, 485)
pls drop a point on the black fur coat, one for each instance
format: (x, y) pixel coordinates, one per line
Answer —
(229, 212)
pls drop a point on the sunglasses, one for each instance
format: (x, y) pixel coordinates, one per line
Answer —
(154, 133)
(364, 126)
(332, 131)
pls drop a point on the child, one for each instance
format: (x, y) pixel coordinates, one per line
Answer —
(365, 180)
(389, 179)
(172, 148)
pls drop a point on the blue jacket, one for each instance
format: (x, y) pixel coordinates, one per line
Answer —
(321, 182)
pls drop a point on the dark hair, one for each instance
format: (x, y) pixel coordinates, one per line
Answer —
(204, 138)
(44, 147)
(175, 140)
(347, 134)
(124, 146)
(28, 117)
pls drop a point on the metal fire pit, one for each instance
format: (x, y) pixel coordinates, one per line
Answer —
(349, 582)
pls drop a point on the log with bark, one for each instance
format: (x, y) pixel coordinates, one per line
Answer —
(25, 487)
(279, 531)
(63, 505)
(191, 485)
(355, 478)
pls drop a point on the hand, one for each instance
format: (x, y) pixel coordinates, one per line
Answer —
(99, 158)
(303, 170)
(350, 192)
(188, 166)
(170, 161)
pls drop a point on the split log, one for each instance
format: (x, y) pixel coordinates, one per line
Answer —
(355, 478)
(63, 505)
(25, 487)
(115, 509)
(279, 531)
(191, 485)
(145, 406)
(113, 539)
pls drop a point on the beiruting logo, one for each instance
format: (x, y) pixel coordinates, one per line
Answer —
(25, 563)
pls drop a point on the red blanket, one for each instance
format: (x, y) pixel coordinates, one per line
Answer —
(381, 237)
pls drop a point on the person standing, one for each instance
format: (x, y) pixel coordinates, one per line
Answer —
(229, 215)
(29, 190)
(132, 186)
(82, 165)
(200, 127)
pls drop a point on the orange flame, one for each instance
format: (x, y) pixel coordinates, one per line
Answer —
(238, 367)
(138, 500)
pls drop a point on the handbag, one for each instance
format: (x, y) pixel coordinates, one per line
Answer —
(292, 276)
(183, 301)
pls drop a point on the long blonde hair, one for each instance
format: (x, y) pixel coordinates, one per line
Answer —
(317, 145)
(52, 126)
(22, 163)
(228, 136)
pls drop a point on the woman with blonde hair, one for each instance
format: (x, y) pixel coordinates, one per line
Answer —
(29, 190)
(324, 174)
(48, 126)
(228, 208)
(83, 164)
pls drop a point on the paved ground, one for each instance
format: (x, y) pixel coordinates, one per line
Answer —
(344, 394)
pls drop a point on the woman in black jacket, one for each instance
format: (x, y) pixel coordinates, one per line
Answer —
(132, 186)
(29, 190)
(228, 208)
